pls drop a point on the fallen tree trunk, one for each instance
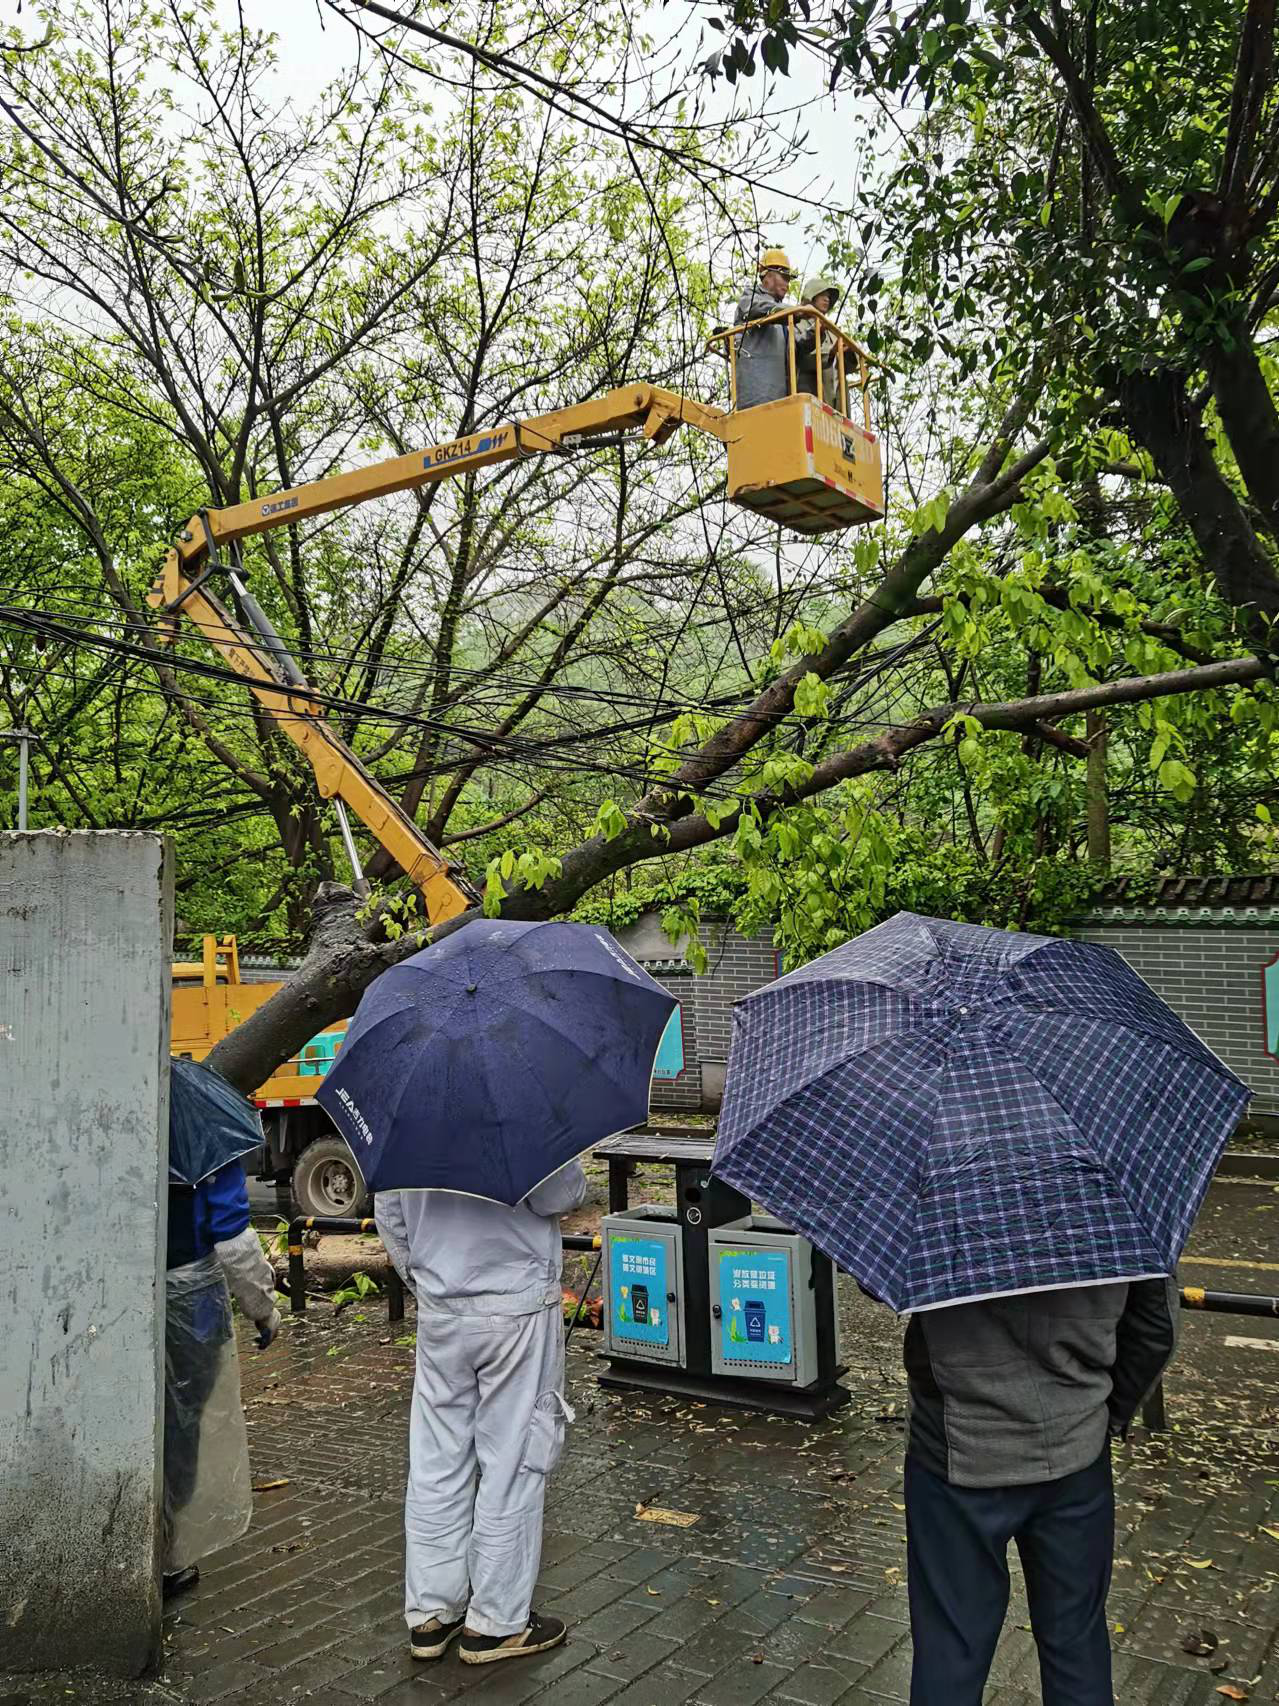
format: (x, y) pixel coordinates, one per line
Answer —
(344, 959)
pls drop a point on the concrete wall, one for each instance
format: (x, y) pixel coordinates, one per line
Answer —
(85, 942)
(1212, 976)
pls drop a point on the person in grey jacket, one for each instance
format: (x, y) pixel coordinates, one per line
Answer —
(763, 366)
(1013, 1404)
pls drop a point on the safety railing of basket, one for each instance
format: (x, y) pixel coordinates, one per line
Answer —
(723, 341)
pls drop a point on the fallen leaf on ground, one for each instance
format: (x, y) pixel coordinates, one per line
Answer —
(668, 1519)
(892, 1576)
(1200, 1563)
(1200, 1642)
(270, 1486)
(1272, 1532)
(1233, 1693)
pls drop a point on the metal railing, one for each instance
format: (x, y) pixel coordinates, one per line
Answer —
(1228, 1302)
(1154, 1415)
(394, 1284)
(723, 341)
(1153, 1412)
(297, 1261)
(583, 1241)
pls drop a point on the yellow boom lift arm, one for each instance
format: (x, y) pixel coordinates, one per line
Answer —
(799, 460)
(255, 651)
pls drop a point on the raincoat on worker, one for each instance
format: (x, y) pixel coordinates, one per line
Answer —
(213, 1253)
(489, 1415)
(806, 341)
(763, 368)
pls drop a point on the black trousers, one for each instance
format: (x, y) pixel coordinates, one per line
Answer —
(957, 1569)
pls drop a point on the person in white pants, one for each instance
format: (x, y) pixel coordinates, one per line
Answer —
(488, 1397)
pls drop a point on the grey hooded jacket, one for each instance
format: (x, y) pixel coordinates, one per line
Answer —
(762, 365)
(1014, 1390)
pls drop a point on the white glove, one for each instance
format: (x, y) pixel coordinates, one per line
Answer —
(268, 1329)
(248, 1274)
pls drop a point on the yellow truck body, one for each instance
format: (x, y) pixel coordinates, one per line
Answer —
(209, 999)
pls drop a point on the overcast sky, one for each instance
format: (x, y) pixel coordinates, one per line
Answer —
(313, 45)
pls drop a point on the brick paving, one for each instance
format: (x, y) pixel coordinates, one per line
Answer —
(788, 1588)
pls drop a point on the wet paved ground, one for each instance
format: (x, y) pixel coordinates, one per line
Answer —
(788, 1587)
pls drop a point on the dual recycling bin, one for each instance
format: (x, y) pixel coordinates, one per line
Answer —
(740, 1311)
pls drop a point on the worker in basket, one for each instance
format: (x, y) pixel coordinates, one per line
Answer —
(823, 294)
(762, 357)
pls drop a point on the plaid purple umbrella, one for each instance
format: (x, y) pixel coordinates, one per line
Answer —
(951, 1112)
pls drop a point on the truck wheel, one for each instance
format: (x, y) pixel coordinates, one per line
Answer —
(326, 1181)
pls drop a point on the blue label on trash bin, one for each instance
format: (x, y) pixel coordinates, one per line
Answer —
(670, 1050)
(754, 1300)
(638, 1307)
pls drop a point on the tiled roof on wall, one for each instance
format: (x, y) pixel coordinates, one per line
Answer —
(1186, 900)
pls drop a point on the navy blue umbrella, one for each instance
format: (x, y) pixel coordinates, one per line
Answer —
(492, 1058)
(951, 1112)
(210, 1123)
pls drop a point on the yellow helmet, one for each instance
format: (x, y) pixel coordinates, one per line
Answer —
(776, 258)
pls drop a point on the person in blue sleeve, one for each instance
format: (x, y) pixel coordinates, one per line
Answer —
(213, 1255)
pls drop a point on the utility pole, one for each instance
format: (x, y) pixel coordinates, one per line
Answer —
(24, 737)
(1093, 514)
(1097, 799)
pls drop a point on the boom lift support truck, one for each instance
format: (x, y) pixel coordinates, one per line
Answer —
(799, 460)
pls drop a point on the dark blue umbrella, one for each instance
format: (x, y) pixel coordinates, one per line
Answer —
(489, 1060)
(951, 1112)
(210, 1123)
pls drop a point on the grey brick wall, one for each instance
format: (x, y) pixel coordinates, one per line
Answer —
(736, 965)
(1212, 977)
(683, 1094)
(1208, 973)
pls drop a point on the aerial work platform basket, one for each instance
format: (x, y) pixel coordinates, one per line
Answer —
(801, 459)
